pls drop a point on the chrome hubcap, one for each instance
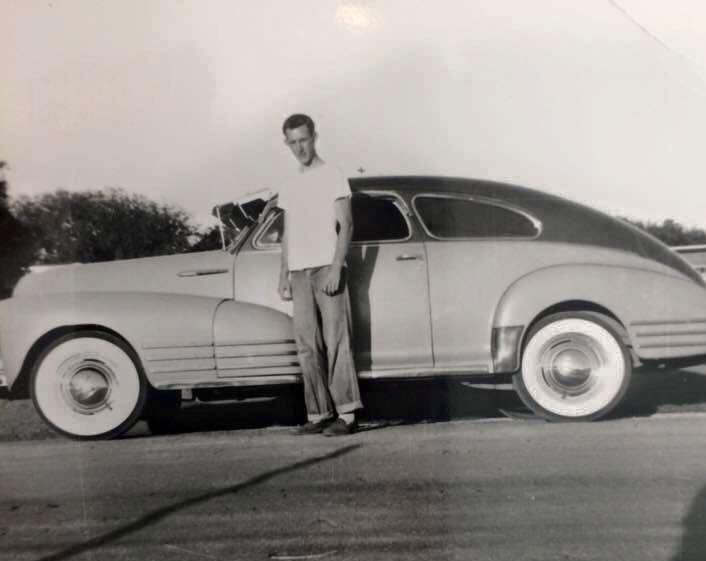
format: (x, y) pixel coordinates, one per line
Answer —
(571, 368)
(88, 386)
(568, 365)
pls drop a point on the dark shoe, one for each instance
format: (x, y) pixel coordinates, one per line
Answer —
(340, 428)
(313, 428)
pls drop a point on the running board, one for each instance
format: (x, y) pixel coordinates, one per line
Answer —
(273, 380)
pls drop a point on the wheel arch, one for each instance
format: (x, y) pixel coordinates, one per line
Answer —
(587, 288)
(578, 305)
(630, 297)
(509, 342)
(142, 320)
(20, 387)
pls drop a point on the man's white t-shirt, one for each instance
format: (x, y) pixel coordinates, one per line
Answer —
(310, 220)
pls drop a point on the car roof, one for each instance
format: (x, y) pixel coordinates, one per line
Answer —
(562, 220)
(424, 183)
(539, 202)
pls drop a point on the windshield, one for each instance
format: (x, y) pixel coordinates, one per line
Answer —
(236, 219)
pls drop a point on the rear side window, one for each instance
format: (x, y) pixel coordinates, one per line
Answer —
(455, 217)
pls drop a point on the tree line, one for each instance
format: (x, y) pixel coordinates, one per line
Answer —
(90, 226)
(670, 232)
(108, 224)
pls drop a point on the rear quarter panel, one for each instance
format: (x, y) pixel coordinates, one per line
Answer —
(663, 312)
(476, 285)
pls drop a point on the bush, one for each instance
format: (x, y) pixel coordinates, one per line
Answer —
(90, 226)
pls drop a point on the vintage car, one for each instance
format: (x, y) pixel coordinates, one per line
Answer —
(449, 277)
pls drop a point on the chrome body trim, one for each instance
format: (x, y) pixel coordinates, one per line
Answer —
(202, 272)
(673, 345)
(670, 334)
(196, 382)
(668, 322)
(246, 359)
(256, 349)
(411, 373)
(257, 358)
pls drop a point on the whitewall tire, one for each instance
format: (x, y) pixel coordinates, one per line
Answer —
(575, 367)
(88, 385)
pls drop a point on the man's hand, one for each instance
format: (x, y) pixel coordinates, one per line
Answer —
(332, 279)
(285, 287)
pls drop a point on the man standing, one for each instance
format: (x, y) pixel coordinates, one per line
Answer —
(313, 275)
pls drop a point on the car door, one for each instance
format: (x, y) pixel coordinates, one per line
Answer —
(475, 249)
(388, 287)
(387, 283)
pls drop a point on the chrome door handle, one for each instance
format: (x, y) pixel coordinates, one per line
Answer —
(408, 257)
(202, 272)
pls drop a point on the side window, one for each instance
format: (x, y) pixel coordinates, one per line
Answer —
(273, 233)
(375, 218)
(454, 217)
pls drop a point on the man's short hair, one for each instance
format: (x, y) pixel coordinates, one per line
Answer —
(298, 120)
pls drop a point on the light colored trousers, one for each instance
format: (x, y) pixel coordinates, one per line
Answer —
(322, 330)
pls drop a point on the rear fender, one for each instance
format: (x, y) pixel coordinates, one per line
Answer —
(664, 315)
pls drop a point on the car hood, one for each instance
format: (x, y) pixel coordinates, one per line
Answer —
(208, 273)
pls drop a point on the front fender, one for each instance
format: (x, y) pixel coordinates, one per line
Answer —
(254, 341)
(144, 320)
(664, 315)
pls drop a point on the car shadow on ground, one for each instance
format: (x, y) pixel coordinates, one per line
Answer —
(394, 402)
(664, 390)
(386, 403)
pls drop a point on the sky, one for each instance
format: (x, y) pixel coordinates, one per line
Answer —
(600, 101)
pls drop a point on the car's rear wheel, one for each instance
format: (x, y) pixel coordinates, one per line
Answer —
(88, 385)
(575, 367)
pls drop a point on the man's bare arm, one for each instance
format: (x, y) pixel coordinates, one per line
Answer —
(285, 287)
(344, 216)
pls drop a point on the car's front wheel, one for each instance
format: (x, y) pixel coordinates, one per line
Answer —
(88, 385)
(575, 367)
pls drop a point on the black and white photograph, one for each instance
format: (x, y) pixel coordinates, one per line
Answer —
(352, 280)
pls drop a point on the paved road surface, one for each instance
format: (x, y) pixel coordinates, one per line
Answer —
(628, 489)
